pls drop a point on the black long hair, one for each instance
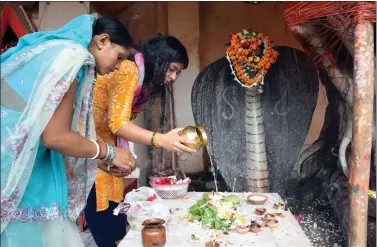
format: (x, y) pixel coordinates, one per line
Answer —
(118, 33)
(158, 53)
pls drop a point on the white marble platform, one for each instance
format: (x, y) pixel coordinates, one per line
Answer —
(178, 230)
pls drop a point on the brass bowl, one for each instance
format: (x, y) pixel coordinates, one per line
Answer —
(195, 134)
(202, 134)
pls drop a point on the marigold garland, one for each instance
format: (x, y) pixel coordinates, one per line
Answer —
(250, 54)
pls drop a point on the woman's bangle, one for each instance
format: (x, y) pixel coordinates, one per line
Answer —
(154, 141)
(98, 149)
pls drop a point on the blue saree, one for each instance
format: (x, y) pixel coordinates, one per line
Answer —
(42, 191)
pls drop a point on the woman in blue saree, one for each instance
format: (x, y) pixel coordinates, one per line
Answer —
(49, 150)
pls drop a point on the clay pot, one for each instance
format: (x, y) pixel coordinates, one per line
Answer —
(268, 217)
(272, 224)
(153, 233)
(260, 222)
(212, 244)
(279, 206)
(242, 229)
(281, 215)
(260, 211)
(255, 228)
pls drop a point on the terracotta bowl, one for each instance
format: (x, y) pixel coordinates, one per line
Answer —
(212, 244)
(268, 217)
(242, 229)
(279, 206)
(260, 222)
(260, 211)
(281, 215)
(257, 199)
(273, 224)
(255, 228)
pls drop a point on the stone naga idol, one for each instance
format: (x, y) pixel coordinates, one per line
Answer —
(256, 106)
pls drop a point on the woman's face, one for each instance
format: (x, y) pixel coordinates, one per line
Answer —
(108, 55)
(174, 70)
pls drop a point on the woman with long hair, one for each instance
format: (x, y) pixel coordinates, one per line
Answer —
(49, 149)
(118, 98)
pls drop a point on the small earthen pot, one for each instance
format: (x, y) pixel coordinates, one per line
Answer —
(281, 215)
(279, 206)
(242, 229)
(273, 224)
(255, 228)
(212, 244)
(260, 211)
(260, 222)
(268, 217)
(153, 233)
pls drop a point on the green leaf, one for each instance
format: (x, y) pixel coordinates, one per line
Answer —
(218, 224)
(248, 35)
(193, 237)
(196, 217)
(206, 221)
(205, 196)
(207, 213)
(194, 210)
(202, 202)
(201, 210)
(213, 210)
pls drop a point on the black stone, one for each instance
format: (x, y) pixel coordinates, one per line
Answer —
(290, 96)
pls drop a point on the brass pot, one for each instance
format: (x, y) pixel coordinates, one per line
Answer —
(153, 233)
(197, 134)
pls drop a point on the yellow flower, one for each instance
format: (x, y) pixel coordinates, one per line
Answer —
(241, 218)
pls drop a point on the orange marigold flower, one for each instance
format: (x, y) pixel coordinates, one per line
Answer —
(254, 47)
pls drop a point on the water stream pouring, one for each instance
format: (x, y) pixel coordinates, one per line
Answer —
(198, 135)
